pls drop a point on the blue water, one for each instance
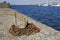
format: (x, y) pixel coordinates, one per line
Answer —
(48, 15)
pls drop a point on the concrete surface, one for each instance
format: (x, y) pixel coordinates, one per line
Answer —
(7, 19)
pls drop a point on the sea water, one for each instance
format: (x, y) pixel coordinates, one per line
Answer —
(48, 15)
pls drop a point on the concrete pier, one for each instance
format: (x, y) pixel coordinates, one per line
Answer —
(7, 18)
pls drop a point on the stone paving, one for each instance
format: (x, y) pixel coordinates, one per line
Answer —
(6, 20)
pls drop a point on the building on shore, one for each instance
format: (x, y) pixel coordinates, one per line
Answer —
(4, 5)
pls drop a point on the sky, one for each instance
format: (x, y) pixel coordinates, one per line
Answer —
(27, 2)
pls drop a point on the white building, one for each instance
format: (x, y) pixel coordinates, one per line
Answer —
(58, 4)
(45, 4)
(55, 4)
